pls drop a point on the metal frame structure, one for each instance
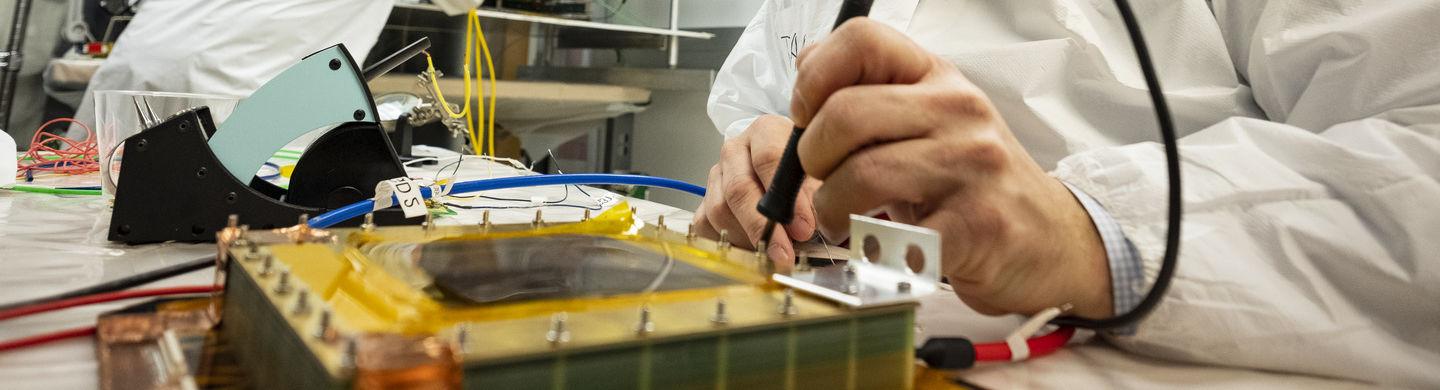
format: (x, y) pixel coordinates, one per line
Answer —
(11, 59)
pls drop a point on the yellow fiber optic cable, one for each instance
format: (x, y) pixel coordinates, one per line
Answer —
(434, 83)
(472, 30)
(490, 65)
(477, 143)
(480, 125)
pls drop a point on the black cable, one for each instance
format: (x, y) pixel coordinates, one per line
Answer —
(469, 207)
(124, 283)
(555, 203)
(1172, 170)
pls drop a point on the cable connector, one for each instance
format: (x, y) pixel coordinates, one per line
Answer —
(1019, 350)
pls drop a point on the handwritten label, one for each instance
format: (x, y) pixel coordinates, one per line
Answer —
(404, 191)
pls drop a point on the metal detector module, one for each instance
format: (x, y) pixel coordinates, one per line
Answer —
(601, 303)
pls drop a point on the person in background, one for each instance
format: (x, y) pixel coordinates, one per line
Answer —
(1022, 132)
(227, 48)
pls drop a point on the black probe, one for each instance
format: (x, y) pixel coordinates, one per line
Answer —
(778, 204)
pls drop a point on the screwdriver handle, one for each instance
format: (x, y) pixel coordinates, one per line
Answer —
(778, 204)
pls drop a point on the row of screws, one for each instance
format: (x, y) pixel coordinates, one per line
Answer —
(559, 331)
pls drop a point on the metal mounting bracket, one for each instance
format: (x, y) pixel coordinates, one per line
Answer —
(885, 280)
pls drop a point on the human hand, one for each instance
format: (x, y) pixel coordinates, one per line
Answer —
(740, 179)
(891, 126)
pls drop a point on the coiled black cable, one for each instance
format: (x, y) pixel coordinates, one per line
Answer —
(1172, 170)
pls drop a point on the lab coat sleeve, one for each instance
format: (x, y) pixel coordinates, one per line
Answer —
(1311, 241)
(753, 80)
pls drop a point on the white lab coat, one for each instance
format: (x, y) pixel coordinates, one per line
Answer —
(229, 47)
(1311, 152)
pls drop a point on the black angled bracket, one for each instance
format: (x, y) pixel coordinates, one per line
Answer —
(173, 188)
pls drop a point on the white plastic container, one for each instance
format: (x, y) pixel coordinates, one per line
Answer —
(8, 164)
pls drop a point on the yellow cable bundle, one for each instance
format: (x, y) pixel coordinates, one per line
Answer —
(488, 117)
(474, 124)
(430, 65)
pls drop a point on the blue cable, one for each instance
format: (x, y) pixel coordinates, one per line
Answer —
(365, 206)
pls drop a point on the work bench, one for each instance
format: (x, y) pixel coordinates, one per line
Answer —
(50, 244)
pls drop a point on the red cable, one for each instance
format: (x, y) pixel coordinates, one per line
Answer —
(72, 156)
(100, 298)
(1039, 346)
(46, 338)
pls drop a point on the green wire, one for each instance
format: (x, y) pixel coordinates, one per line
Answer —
(56, 191)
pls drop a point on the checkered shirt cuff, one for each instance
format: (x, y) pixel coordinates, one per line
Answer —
(1127, 279)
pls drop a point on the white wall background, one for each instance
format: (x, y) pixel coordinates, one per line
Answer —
(693, 13)
(674, 137)
(717, 13)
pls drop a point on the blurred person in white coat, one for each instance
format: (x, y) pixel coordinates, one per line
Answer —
(1023, 132)
(228, 48)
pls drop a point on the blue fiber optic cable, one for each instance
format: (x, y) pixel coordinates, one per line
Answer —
(360, 208)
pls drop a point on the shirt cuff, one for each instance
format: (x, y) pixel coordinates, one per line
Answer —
(1126, 275)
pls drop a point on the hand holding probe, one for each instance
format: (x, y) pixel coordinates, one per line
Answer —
(778, 204)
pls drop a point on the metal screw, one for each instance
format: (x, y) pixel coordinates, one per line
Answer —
(646, 325)
(462, 336)
(267, 267)
(724, 241)
(852, 287)
(558, 334)
(903, 287)
(369, 225)
(585, 217)
(252, 251)
(304, 222)
(429, 223)
(804, 264)
(660, 221)
(787, 305)
(690, 233)
(282, 286)
(302, 303)
(322, 329)
(251, 245)
(232, 221)
(347, 354)
(719, 318)
(485, 219)
(539, 220)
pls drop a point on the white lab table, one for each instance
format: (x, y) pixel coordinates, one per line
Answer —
(50, 244)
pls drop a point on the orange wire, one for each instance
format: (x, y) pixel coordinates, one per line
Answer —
(69, 157)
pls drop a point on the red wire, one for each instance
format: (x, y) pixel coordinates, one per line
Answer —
(1039, 346)
(100, 298)
(72, 157)
(46, 338)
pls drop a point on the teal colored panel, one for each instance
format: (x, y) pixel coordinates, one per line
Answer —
(535, 374)
(822, 355)
(684, 365)
(308, 96)
(884, 351)
(756, 360)
(603, 370)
